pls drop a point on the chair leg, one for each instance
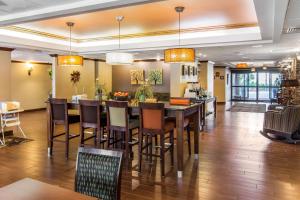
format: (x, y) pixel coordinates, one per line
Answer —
(146, 145)
(188, 130)
(130, 145)
(52, 128)
(150, 147)
(81, 136)
(95, 133)
(108, 139)
(67, 140)
(127, 153)
(162, 154)
(140, 151)
(172, 147)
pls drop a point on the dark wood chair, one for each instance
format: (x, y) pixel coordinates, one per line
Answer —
(59, 116)
(153, 123)
(119, 121)
(90, 118)
(98, 173)
(179, 101)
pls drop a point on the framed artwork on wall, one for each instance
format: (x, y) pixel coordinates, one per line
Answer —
(136, 76)
(155, 76)
(222, 77)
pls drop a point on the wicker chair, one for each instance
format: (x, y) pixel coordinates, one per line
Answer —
(282, 123)
(98, 173)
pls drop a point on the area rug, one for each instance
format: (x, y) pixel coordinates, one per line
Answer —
(12, 141)
(247, 107)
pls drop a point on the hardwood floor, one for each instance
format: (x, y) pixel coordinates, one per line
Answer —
(235, 162)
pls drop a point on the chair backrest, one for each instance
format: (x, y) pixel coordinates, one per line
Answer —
(58, 110)
(152, 116)
(117, 114)
(90, 112)
(180, 101)
(98, 173)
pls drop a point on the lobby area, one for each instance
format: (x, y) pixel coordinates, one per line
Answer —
(143, 100)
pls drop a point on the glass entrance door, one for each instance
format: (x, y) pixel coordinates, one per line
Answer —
(254, 86)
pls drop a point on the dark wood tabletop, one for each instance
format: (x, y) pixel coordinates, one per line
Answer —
(30, 189)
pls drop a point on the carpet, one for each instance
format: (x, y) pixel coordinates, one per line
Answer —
(12, 141)
(247, 107)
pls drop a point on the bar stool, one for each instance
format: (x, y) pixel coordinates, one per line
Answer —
(118, 121)
(90, 118)
(59, 116)
(179, 101)
(153, 123)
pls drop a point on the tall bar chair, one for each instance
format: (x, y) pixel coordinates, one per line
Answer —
(90, 118)
(119, 122)
(153, 123)
(59, 116)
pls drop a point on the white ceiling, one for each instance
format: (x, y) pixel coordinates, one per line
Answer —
(272, 45)
(17, 6)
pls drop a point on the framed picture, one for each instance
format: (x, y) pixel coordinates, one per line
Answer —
(136, 76)
(191, 70)
(155, 76)
(184, 70)
(217, 74)
(222, 77)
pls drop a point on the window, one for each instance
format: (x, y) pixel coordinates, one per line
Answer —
(254, 86)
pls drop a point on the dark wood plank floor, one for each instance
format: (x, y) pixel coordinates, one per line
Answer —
(235, 162)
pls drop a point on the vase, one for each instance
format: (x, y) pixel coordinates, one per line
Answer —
(142, 98)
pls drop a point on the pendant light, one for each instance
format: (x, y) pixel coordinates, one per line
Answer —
(70, 60)
(119, 58)
(179, 55)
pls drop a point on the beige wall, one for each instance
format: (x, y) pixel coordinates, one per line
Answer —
(5, 71)
(105, 75)
(176, 86)
(121, 76)
(222, 86)
(206, 76)
(65, 88)
(31, 91)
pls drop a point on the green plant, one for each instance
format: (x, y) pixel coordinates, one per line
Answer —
(50, 73)
(144, 91)
(155, 76)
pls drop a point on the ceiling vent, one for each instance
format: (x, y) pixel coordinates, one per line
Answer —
(292, 30)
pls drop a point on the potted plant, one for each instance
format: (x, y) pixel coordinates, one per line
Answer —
(143, 92)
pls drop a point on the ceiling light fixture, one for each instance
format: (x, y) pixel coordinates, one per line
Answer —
(179, 55)
(70, 60)
(119, 58)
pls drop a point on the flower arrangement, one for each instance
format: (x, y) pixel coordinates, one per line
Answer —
(75, 78)
(144, 92)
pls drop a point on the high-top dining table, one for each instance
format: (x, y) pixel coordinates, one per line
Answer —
(180, 113)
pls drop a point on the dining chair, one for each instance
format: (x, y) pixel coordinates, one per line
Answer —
(59, 116)
(120, 122)
(179, 101)
(153, 123)
(90, 118)
(98, 173)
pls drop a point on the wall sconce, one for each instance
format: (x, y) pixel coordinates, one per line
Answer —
(29, 67)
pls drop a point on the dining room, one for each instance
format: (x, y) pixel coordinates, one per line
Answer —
(142, 99)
